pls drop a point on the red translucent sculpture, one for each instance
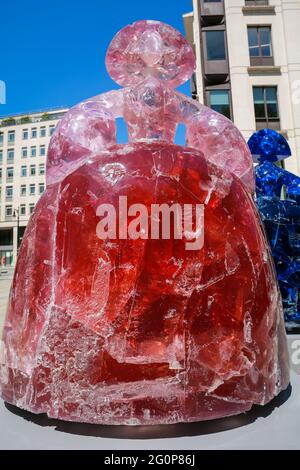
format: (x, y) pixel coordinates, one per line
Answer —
(144, 331)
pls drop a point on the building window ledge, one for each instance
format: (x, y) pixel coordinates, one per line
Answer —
(275, 125)
(258, 10)
(264, 70)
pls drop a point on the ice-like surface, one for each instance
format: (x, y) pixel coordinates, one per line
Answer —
(101, 331)
(150, 49)
(144, 331)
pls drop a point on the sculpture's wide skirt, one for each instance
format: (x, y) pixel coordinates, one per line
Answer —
(143, 331)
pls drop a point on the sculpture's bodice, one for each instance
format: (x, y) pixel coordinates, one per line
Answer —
(150, 106)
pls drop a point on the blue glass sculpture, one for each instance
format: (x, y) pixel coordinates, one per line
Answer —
(278, 200)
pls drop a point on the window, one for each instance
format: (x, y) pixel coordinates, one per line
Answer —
(43, 131)
(51, 130)
(33, 133)
(219, 101)
(41, 188)
(25, 134)
(41, 169)
(23, 190)
(1, 138)
(260, 46)
(9, 192)
(42, 150)
(10, 155)
(215, 45)
(24, 152)
(256, 2)
(23, 170)
(11, 137)
(259, 38)
(33, 151)
(32, 189)
(9, 173)
(31, 208)
(32, 170)
(1, 156)
(22, 209)
(8, 211)
(265, 104)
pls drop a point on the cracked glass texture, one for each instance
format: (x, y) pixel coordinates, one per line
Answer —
(144, 331)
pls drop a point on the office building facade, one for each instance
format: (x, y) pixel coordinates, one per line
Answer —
(248, 64)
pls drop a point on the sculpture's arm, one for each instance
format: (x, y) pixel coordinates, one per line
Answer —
(87, 128)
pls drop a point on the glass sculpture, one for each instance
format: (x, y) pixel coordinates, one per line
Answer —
(278, 200)
(143, 330)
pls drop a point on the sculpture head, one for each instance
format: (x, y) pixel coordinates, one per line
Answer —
(144, 291)
(268, 145)
(150, 49)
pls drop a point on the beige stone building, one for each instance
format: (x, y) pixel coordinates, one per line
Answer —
(248, 64)
(24, 141)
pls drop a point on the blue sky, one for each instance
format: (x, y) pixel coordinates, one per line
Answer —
(52, 53)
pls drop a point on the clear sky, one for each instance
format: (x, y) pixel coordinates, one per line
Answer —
(52, 52)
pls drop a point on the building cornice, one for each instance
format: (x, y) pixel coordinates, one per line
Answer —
(264, 70)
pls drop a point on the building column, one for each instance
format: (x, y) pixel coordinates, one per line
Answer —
(15, 245)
